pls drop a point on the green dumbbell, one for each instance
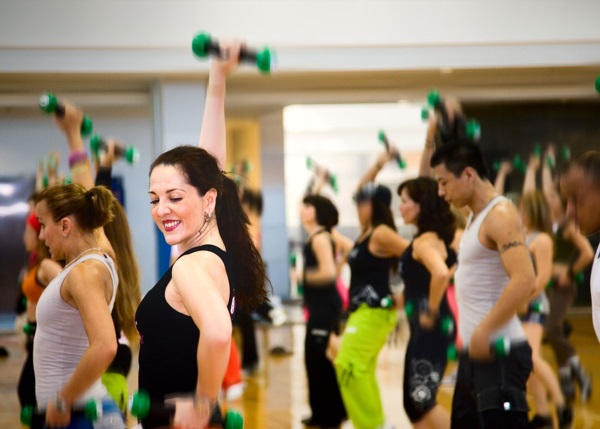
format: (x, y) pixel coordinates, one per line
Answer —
(550, 162)
(445, 323)
(434, 98)
(293, 259)
(300, 289)
(473, 130)
(204, 45)
(130, 153)
(579, 277)
(140, 407)
(233, 420)
(565, 153)
(597, 84)
(331, 178)
(537, 150)
(386, 302)
(500, 348)
(50, 104)
(92, 410)
(519, 164)
(536, 307)
(29, 328)
(139, 404)
(425, 113)
(382, 137)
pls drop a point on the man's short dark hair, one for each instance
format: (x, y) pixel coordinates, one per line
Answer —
(458, 156)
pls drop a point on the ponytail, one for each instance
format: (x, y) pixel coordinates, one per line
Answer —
(251, 279)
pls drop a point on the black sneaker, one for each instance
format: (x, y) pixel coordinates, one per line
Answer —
(585, 383)
(567, 385)
(541, 422)
(565, 416)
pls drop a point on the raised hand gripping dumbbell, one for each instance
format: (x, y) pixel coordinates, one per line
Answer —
(454, 130)
(384, 140)
(319, 169)
(50, 104)
(130, 153)
(203, 45)
(92, 411)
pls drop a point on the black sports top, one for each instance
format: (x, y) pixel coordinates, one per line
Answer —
(564, 250)
(169, 341)
(416, 278)
(370, 275)
(310, 259)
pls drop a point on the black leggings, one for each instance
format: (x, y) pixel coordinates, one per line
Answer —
(323, 392)
(26, 386)
(424, 366)
(491, 395)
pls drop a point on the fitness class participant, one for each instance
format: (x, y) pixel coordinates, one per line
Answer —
(581, 186)
(42, 269)
(184, 322)
(573, 253)
(535, 216)
(493, 279)
(318, 216)
(425, 270)
(75, 341)
(374, 255)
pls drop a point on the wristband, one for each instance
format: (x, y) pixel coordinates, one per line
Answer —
(60, 403)
(77, 157)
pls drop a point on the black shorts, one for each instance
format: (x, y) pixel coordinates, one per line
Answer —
(492, 394)
(424, 366)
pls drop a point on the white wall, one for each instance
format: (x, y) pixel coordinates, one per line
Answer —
(170, 23)
(344, 139)
(154, 37)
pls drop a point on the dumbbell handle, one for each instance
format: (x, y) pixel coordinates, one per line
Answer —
(383, 139)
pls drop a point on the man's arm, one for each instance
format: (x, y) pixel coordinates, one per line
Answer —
(503, 230)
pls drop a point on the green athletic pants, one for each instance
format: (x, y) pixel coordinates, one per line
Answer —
(365, 335)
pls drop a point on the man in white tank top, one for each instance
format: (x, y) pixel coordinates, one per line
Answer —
(581, 185)
(495, 277)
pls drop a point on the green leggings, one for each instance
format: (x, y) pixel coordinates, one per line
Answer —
(365, 335)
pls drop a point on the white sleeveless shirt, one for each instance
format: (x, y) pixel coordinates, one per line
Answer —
(480, 280)
(60, 339)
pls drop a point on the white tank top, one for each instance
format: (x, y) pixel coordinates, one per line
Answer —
(595, 292)
(480, 279)
(60, 339)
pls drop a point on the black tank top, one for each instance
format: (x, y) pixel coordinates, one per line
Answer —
(564, 249)
(169, 339)
(370, 275)
(310, 259)
(323, 296)
(416, 278)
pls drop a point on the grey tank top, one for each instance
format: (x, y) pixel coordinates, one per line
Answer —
(480, 280)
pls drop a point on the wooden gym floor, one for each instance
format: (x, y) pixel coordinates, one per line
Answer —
(276, 396)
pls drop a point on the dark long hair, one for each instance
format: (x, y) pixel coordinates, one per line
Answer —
(435, 214)
(202, 172)
(129, 294)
